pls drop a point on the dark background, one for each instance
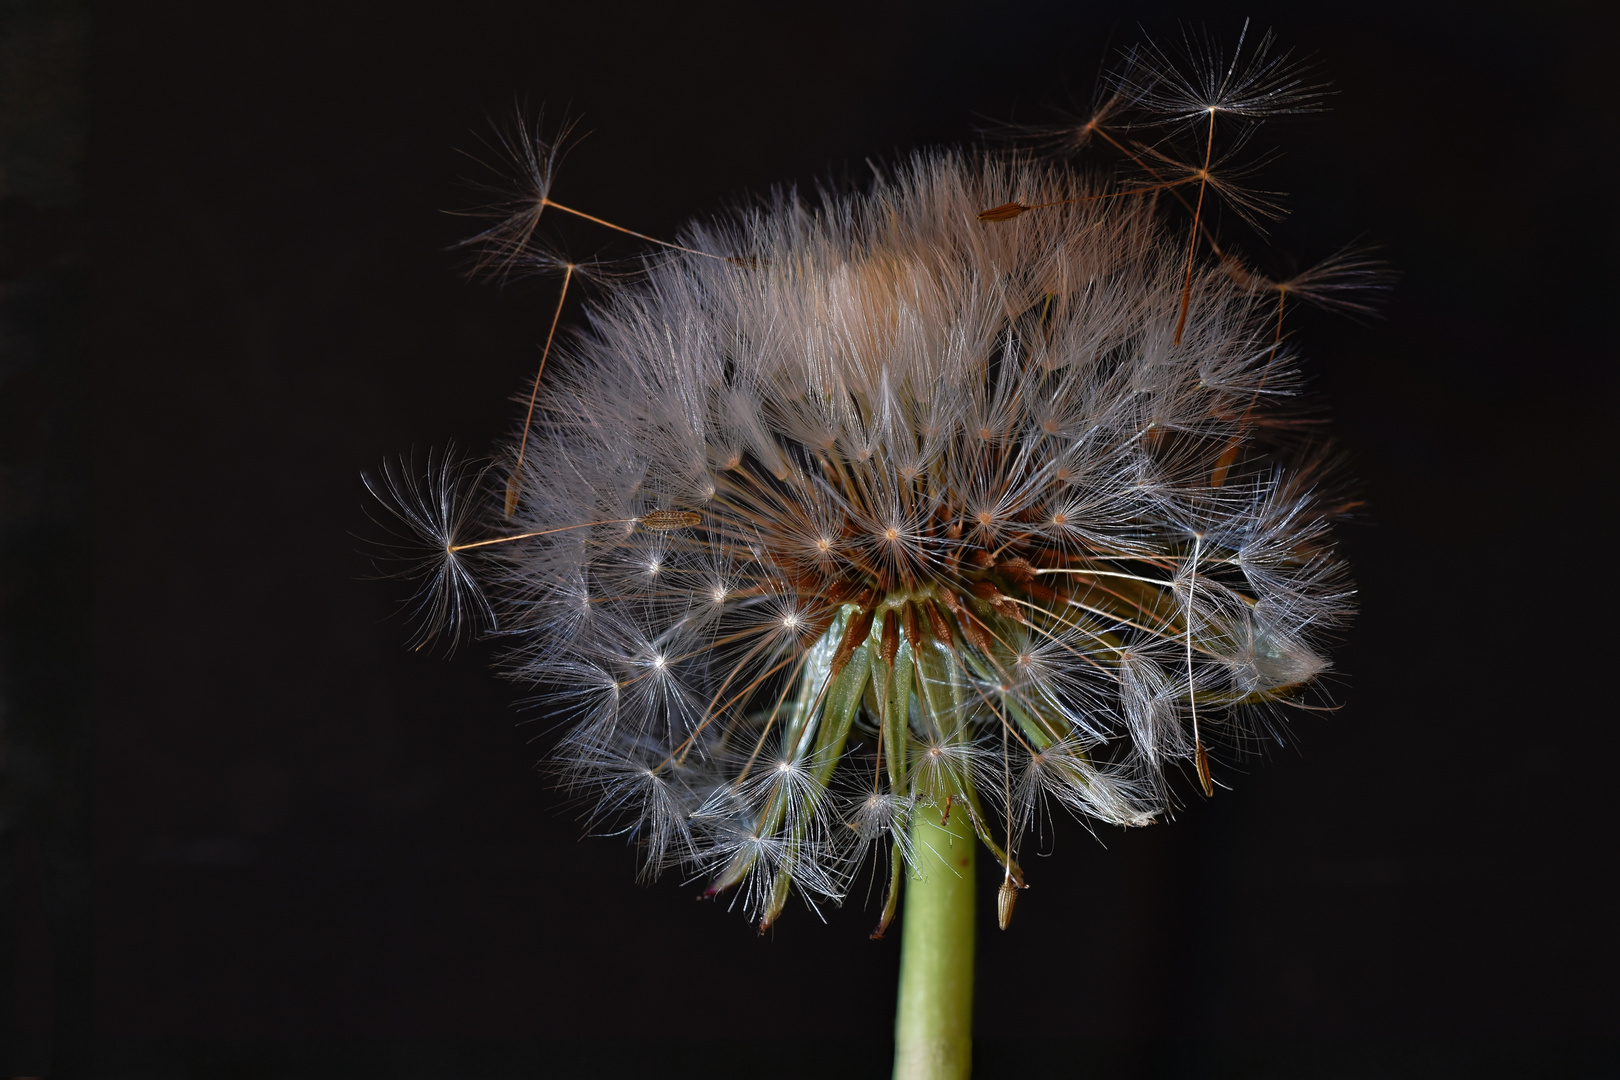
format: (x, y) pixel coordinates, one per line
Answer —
(247, 834)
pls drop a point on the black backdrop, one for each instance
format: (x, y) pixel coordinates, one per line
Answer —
(315, 853)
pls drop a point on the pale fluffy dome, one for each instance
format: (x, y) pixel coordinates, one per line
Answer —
(888, 473)
(854, 507)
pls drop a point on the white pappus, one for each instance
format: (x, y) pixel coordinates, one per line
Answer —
(888, 504)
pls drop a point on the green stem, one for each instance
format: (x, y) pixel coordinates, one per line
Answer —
(933, 1029)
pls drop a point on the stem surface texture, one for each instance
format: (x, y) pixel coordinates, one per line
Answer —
(933, 1030)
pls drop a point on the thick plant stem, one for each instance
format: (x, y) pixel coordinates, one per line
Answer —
(933, 1028)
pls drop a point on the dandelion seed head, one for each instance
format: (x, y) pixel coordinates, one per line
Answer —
(845, 510)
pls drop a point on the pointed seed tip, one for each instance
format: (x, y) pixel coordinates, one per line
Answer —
(670, 520)
(1205, 780)
(1006, 897)
(1004, 212)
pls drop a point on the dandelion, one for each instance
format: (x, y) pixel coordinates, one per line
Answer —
(870, 531)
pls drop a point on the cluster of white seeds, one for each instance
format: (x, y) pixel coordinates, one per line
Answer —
(891, 507)
(892, 504)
